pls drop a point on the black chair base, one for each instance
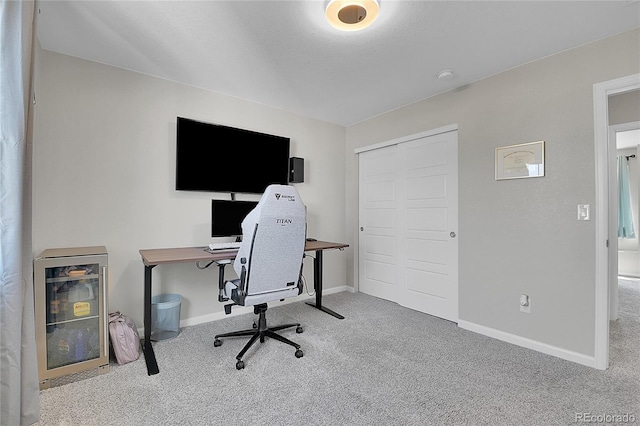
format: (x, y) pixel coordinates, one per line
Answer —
(260, 331)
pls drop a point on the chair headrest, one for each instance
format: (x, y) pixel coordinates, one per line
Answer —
(283, 198)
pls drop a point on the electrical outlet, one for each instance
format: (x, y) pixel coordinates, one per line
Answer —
(525, 303)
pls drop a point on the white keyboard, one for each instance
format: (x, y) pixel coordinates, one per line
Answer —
(232, 245)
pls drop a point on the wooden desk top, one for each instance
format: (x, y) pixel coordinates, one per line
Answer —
(153, 257)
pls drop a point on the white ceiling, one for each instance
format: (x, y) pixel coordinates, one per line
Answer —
(284, 53)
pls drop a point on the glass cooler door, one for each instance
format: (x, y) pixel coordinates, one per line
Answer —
(72, 306)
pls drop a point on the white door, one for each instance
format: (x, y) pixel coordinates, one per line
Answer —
(409, 224)
(378, 233)
(428, 249)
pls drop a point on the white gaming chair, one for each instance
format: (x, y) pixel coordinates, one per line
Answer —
(269, 263)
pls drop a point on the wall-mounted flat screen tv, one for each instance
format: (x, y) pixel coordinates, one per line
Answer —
(216, 158)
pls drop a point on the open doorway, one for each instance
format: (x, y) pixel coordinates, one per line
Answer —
(626, 137)
(606, 268)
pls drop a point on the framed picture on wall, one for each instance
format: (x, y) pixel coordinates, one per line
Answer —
(520, 161)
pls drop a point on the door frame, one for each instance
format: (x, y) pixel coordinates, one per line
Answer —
(426, 133)
(606, 259)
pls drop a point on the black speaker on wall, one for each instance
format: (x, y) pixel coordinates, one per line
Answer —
(296, 170)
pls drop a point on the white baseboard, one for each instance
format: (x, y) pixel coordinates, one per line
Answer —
(628, 275)
(240, 310)
(565, 354)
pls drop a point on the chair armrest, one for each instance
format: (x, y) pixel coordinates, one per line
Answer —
(221, 296)
(243, 277)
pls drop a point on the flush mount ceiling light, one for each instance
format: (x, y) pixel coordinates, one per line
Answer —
(445, 75)
(352, 15)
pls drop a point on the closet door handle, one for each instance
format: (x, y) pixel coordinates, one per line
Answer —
(452, 234)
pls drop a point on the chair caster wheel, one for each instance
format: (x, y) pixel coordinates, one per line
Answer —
(299, 353)
(239, 365)
(217, 343)
(299, 330)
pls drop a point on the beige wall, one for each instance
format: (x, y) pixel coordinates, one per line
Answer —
(624, 108)
(519, 236)
(104, 170)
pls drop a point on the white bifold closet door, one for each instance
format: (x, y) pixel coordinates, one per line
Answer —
(408, 220)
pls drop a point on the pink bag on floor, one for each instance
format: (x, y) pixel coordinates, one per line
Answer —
(124, 338)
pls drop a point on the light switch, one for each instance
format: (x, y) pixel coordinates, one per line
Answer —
(584, 212)
(525, 303)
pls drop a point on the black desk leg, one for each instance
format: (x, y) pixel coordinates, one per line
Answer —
(147, 349)
(317, 285)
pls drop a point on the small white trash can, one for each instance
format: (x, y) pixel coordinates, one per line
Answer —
(165, 316)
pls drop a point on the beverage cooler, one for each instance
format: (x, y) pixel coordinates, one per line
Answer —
(71, 314)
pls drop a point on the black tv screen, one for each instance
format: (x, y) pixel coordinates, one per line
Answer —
(227, 217)
(216, 158)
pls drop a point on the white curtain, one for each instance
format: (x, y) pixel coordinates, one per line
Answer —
(19, 395)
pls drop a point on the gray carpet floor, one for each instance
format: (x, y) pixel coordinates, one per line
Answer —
(382, 365)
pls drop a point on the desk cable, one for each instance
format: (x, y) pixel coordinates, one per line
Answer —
(304, 280)
(302, 277)
(304, 283)
(205, 266)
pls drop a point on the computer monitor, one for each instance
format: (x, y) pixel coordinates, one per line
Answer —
(227, 217)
